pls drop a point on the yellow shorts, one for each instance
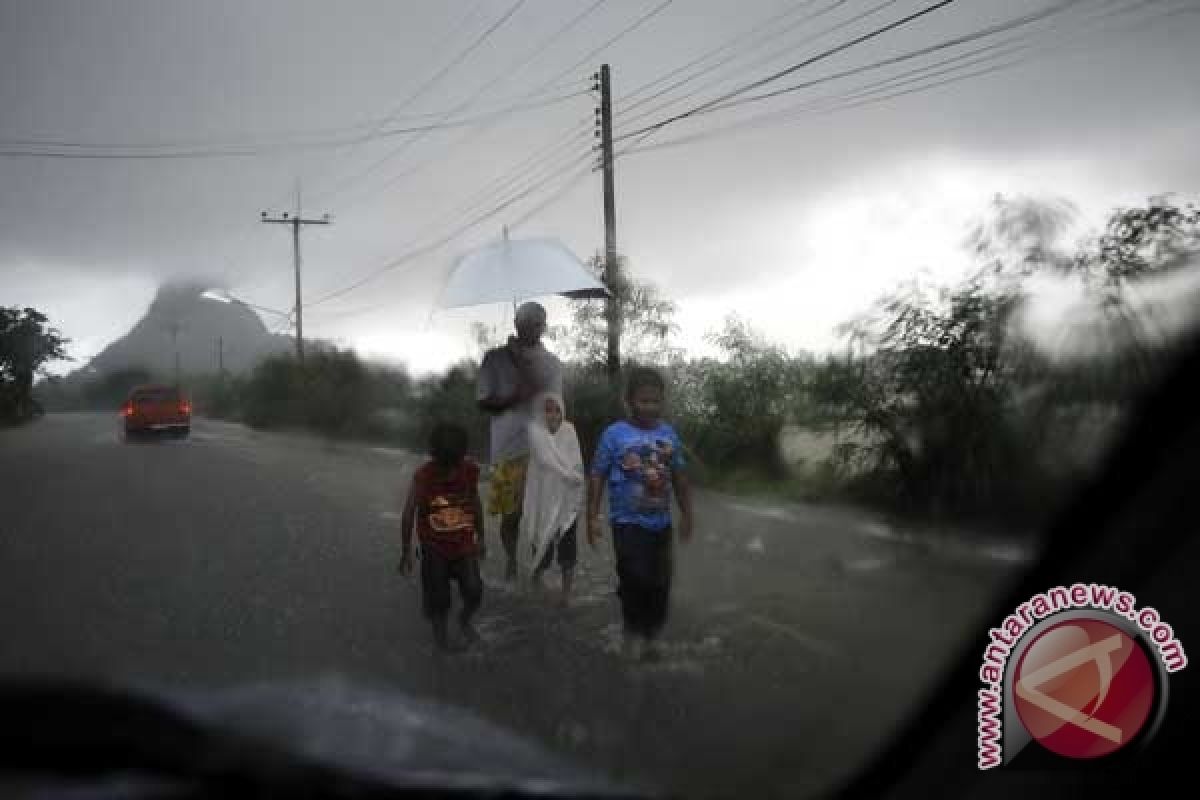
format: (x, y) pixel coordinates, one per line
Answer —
(506, 489)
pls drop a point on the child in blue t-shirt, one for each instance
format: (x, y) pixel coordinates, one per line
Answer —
(641, 460)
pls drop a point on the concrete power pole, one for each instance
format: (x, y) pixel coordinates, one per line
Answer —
(610, 227)
(296, 221)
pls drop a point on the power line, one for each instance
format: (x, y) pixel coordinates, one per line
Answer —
(775, 34)
(710, 53)
(431, 81)
(456, 61)
(793, 68)
(531, 167)
(259, 150)
(481, 130)
(198, 154)
(453, 34)
(825, 105)
(1003, 48)
(521, 192)
(466, 53)
(745, 68)
(756, 121)
(342, 133)
(426, 249)
(924, 51)
(567, 186)
(549, 165)
(624, 32)
(637, 23)
(433, 246)
(764, 61)
(871, 92)
(873, 97)
(40, 147)
(549, 154)
(769, 59)
(533, 55)
(570, 183)
(553, 81)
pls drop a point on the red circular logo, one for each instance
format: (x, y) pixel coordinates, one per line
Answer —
(1084, 688)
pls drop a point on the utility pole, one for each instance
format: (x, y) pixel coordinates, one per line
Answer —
(610, 225)
(221, 356)
(296, 221)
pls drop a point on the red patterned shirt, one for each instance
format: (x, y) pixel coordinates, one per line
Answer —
(446, 508)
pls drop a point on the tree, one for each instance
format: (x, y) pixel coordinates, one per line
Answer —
(1122, 341)
(1138, 244)
(450, 397)
(1021, 235)
(486, 336)
(734, 409)
(26, 346)
(647, 323)
(926, 405)
(936, 387)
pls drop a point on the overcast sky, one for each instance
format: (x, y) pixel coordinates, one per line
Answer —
(795, 226)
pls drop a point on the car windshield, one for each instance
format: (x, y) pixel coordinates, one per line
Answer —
(668, 388)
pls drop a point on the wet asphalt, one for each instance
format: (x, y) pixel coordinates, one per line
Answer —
(798, 636)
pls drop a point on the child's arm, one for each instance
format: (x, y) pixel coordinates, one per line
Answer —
(595, 497)
(602, 462)
(683, 496)
(407, 520)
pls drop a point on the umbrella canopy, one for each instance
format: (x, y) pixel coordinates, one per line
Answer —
(515, 270)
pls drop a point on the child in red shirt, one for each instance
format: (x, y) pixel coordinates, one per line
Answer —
(444, 504)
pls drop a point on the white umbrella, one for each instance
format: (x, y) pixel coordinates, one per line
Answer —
(511, 271)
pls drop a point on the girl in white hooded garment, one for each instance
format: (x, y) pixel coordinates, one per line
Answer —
(554, 487)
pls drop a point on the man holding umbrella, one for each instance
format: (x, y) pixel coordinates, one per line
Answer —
(509, 378)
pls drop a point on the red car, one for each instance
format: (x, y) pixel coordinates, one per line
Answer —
(157, 409)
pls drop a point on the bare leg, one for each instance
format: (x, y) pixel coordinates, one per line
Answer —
(510, 526)
(441, 637)
(470, 586)
(568, 575)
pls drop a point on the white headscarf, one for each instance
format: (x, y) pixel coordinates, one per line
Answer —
(554, 482)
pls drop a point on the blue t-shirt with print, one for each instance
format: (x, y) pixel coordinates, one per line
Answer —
(638, 464)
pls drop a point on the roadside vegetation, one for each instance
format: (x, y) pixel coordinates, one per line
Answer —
(27, 345)
(945, 404)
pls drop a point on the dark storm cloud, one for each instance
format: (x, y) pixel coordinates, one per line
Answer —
(1122, 107)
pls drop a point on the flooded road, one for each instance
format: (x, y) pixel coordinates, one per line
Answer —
(798, 635)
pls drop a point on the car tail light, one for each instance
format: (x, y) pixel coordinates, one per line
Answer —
(185, 408)
(127, 410)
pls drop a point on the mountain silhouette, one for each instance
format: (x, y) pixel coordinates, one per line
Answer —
(204, 332)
